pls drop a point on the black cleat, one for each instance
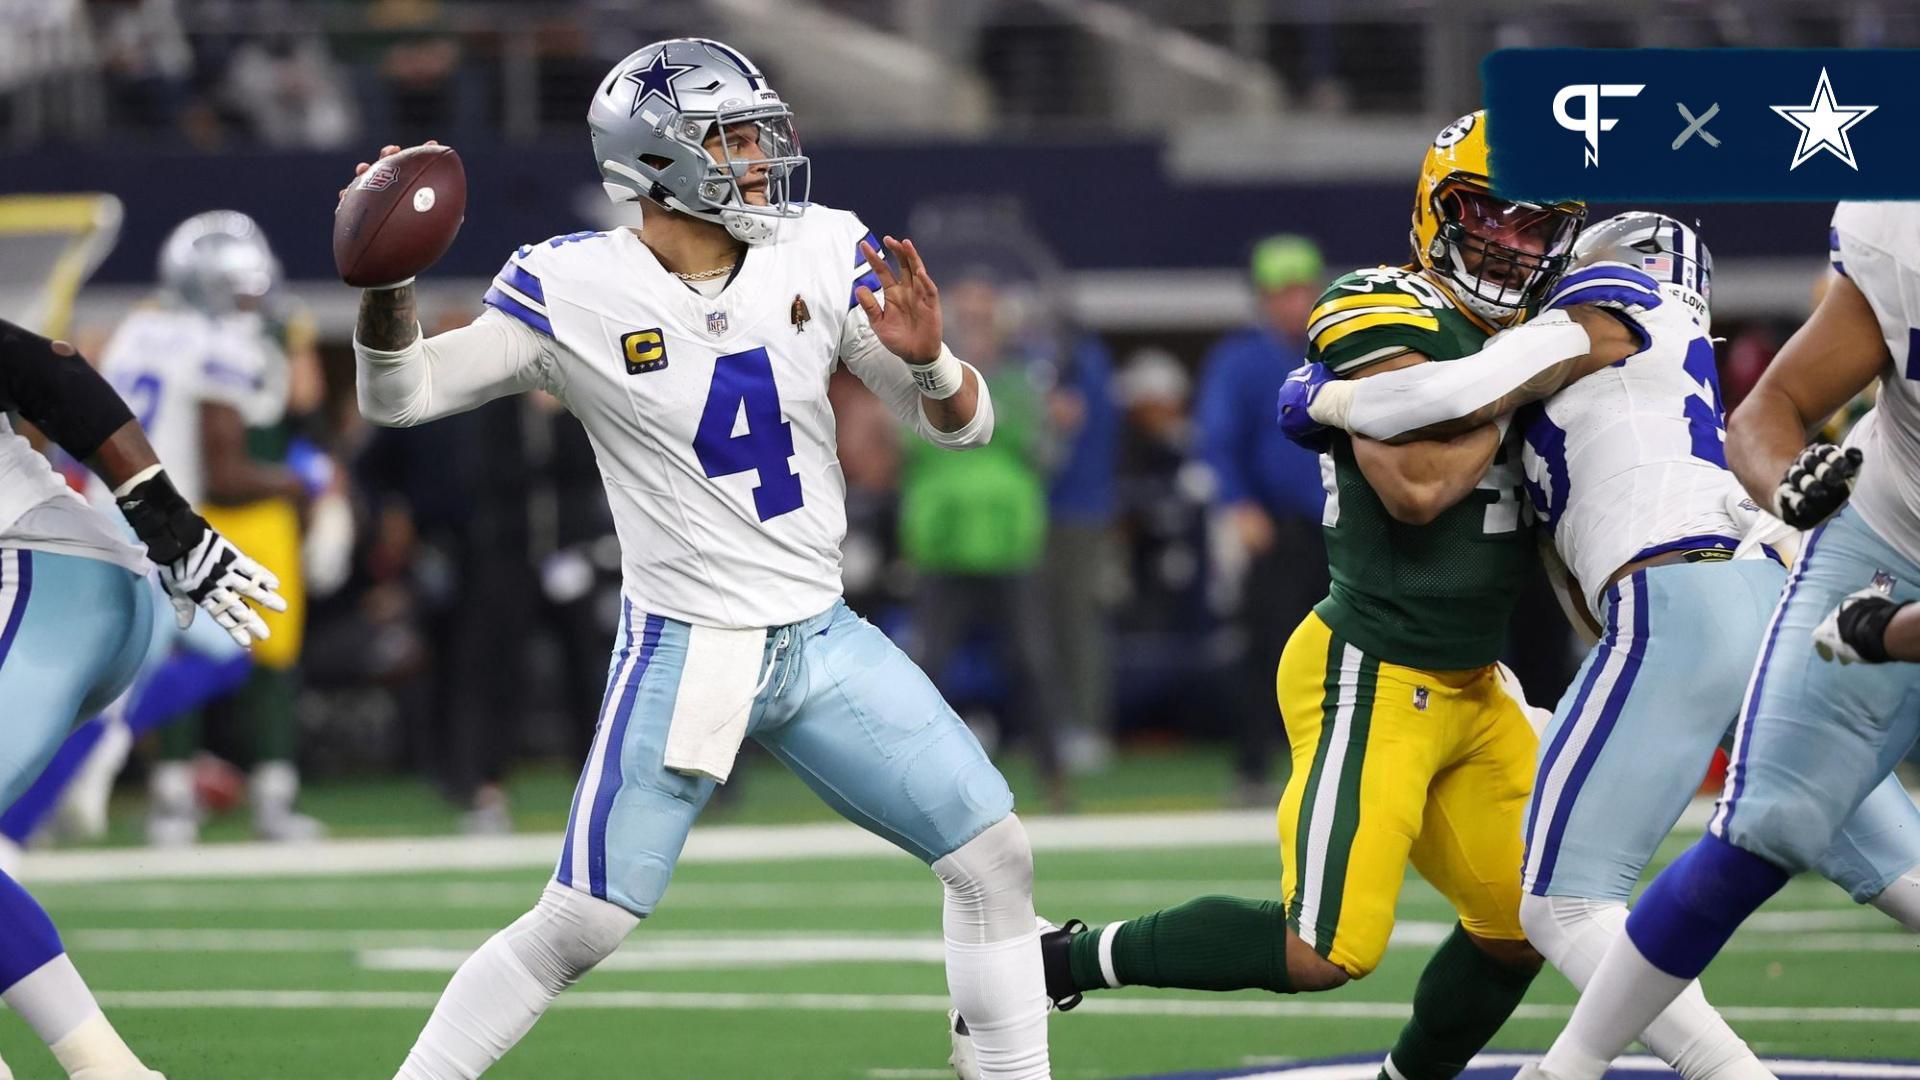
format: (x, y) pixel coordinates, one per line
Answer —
(1054, 945)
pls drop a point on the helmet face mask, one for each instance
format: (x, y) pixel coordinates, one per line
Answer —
(691, 125)
(1504, 255)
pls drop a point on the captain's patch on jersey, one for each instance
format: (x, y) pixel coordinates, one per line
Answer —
(645, 350)
(1496, 1066)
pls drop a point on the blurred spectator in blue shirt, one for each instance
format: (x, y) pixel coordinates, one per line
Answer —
(1081, 500)
(1267, 491)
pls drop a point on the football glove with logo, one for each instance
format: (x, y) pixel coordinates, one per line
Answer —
(198, 566)
(1817, 484)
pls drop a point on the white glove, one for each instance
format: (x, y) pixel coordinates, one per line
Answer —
(198, 566)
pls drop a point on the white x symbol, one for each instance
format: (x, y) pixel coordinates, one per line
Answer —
(1696, 126)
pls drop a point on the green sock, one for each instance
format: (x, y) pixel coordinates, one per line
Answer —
(1212, 943)
(1463, 997)
(267, 702)
(180, 737)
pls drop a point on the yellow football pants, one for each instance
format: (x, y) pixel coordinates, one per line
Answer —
(1392, 763)
(269, 531)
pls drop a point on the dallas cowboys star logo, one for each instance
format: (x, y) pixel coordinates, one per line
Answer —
(1823, 125)
(656, 80)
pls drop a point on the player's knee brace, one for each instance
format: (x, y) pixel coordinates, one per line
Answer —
(989, 882)
(567, 933)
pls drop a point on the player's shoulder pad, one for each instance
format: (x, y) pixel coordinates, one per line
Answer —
(1369, 314)
(520, 288)
(844, 232)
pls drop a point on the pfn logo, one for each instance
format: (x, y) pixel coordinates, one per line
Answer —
(1590, 123)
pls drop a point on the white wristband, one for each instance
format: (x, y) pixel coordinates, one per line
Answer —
(941, 379)
(1331, 404)
(136, 480)
(388, 287)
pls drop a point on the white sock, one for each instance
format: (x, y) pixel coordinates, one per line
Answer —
(1901, 900)
(994, 970)
(273, 787)
(1623, 997)
(5, 1073)
(170, 788)
(1573, 934)
(53, 999)
(495, 997)
(94, 1049)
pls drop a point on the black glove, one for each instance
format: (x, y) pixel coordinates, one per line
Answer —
(198, 566)
(1816, 485)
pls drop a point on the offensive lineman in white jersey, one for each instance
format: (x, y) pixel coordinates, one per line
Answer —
(76, 619)
(1627, 471)
(696, 352)
(1814, 738)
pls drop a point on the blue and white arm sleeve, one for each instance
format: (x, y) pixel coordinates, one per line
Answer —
(1393, 403)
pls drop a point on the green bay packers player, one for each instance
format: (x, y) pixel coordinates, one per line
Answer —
(1406, 742)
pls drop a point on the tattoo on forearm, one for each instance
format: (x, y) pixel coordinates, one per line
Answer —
(389, 319)
(1533, 389)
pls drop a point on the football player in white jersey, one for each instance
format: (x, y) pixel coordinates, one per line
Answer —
(696, 351)
(76, 619)
(1814, 738)
(200, 370)
(1627, 472)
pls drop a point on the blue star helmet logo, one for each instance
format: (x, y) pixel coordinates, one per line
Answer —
(656, 80)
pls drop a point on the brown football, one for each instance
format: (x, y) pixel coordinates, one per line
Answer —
(400, 216)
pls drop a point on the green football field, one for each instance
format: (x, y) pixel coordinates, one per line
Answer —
(768, 961)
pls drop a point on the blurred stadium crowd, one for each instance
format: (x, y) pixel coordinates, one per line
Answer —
(1123, 564)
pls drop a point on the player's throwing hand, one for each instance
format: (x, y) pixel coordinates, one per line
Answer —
(386, 151)
(909, 324)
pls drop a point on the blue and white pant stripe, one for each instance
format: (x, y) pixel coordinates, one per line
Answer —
(1576, 746)
(585, 856)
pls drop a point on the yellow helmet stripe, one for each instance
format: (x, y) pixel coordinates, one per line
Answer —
(1386, 318)
(1341, 303)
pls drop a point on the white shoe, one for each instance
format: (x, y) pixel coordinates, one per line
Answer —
(965, 1065)
(289, 828)
(173, 830)
(118, 1074)
(82, 813)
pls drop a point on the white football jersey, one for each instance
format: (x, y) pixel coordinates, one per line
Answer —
(1631, 461)
(39, 511)
(166, 362)
(1877, 245)
(709, 417)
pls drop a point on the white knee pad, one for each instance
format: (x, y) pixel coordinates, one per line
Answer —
(1901, 900)
(989, 882)
(566, 934)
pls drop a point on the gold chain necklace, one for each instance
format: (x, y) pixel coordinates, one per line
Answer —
(706, 275)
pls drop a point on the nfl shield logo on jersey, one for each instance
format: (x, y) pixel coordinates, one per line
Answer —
(716, 322)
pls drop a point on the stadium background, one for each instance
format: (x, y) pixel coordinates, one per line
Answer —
(1107, 167)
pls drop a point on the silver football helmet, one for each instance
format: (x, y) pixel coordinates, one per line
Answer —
(1662, 247)
(654, 114)
(218, 263)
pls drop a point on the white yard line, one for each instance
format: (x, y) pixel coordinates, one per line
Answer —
(708, 844)
(1365, 1070)
(932, 1005)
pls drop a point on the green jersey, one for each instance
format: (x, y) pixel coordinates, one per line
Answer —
(1434, 596)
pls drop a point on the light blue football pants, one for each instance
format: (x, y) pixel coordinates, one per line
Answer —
(1817, 739)
(1637, 728)
(841, 706)
(73, 633)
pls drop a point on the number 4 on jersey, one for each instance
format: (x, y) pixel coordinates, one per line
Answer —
(743, 389)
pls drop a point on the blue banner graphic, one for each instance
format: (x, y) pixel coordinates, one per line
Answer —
(1699, 125)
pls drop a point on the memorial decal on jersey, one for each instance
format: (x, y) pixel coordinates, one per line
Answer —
(644, 350)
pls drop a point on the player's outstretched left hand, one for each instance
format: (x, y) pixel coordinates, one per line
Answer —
(909, 323)
(1856, 631)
